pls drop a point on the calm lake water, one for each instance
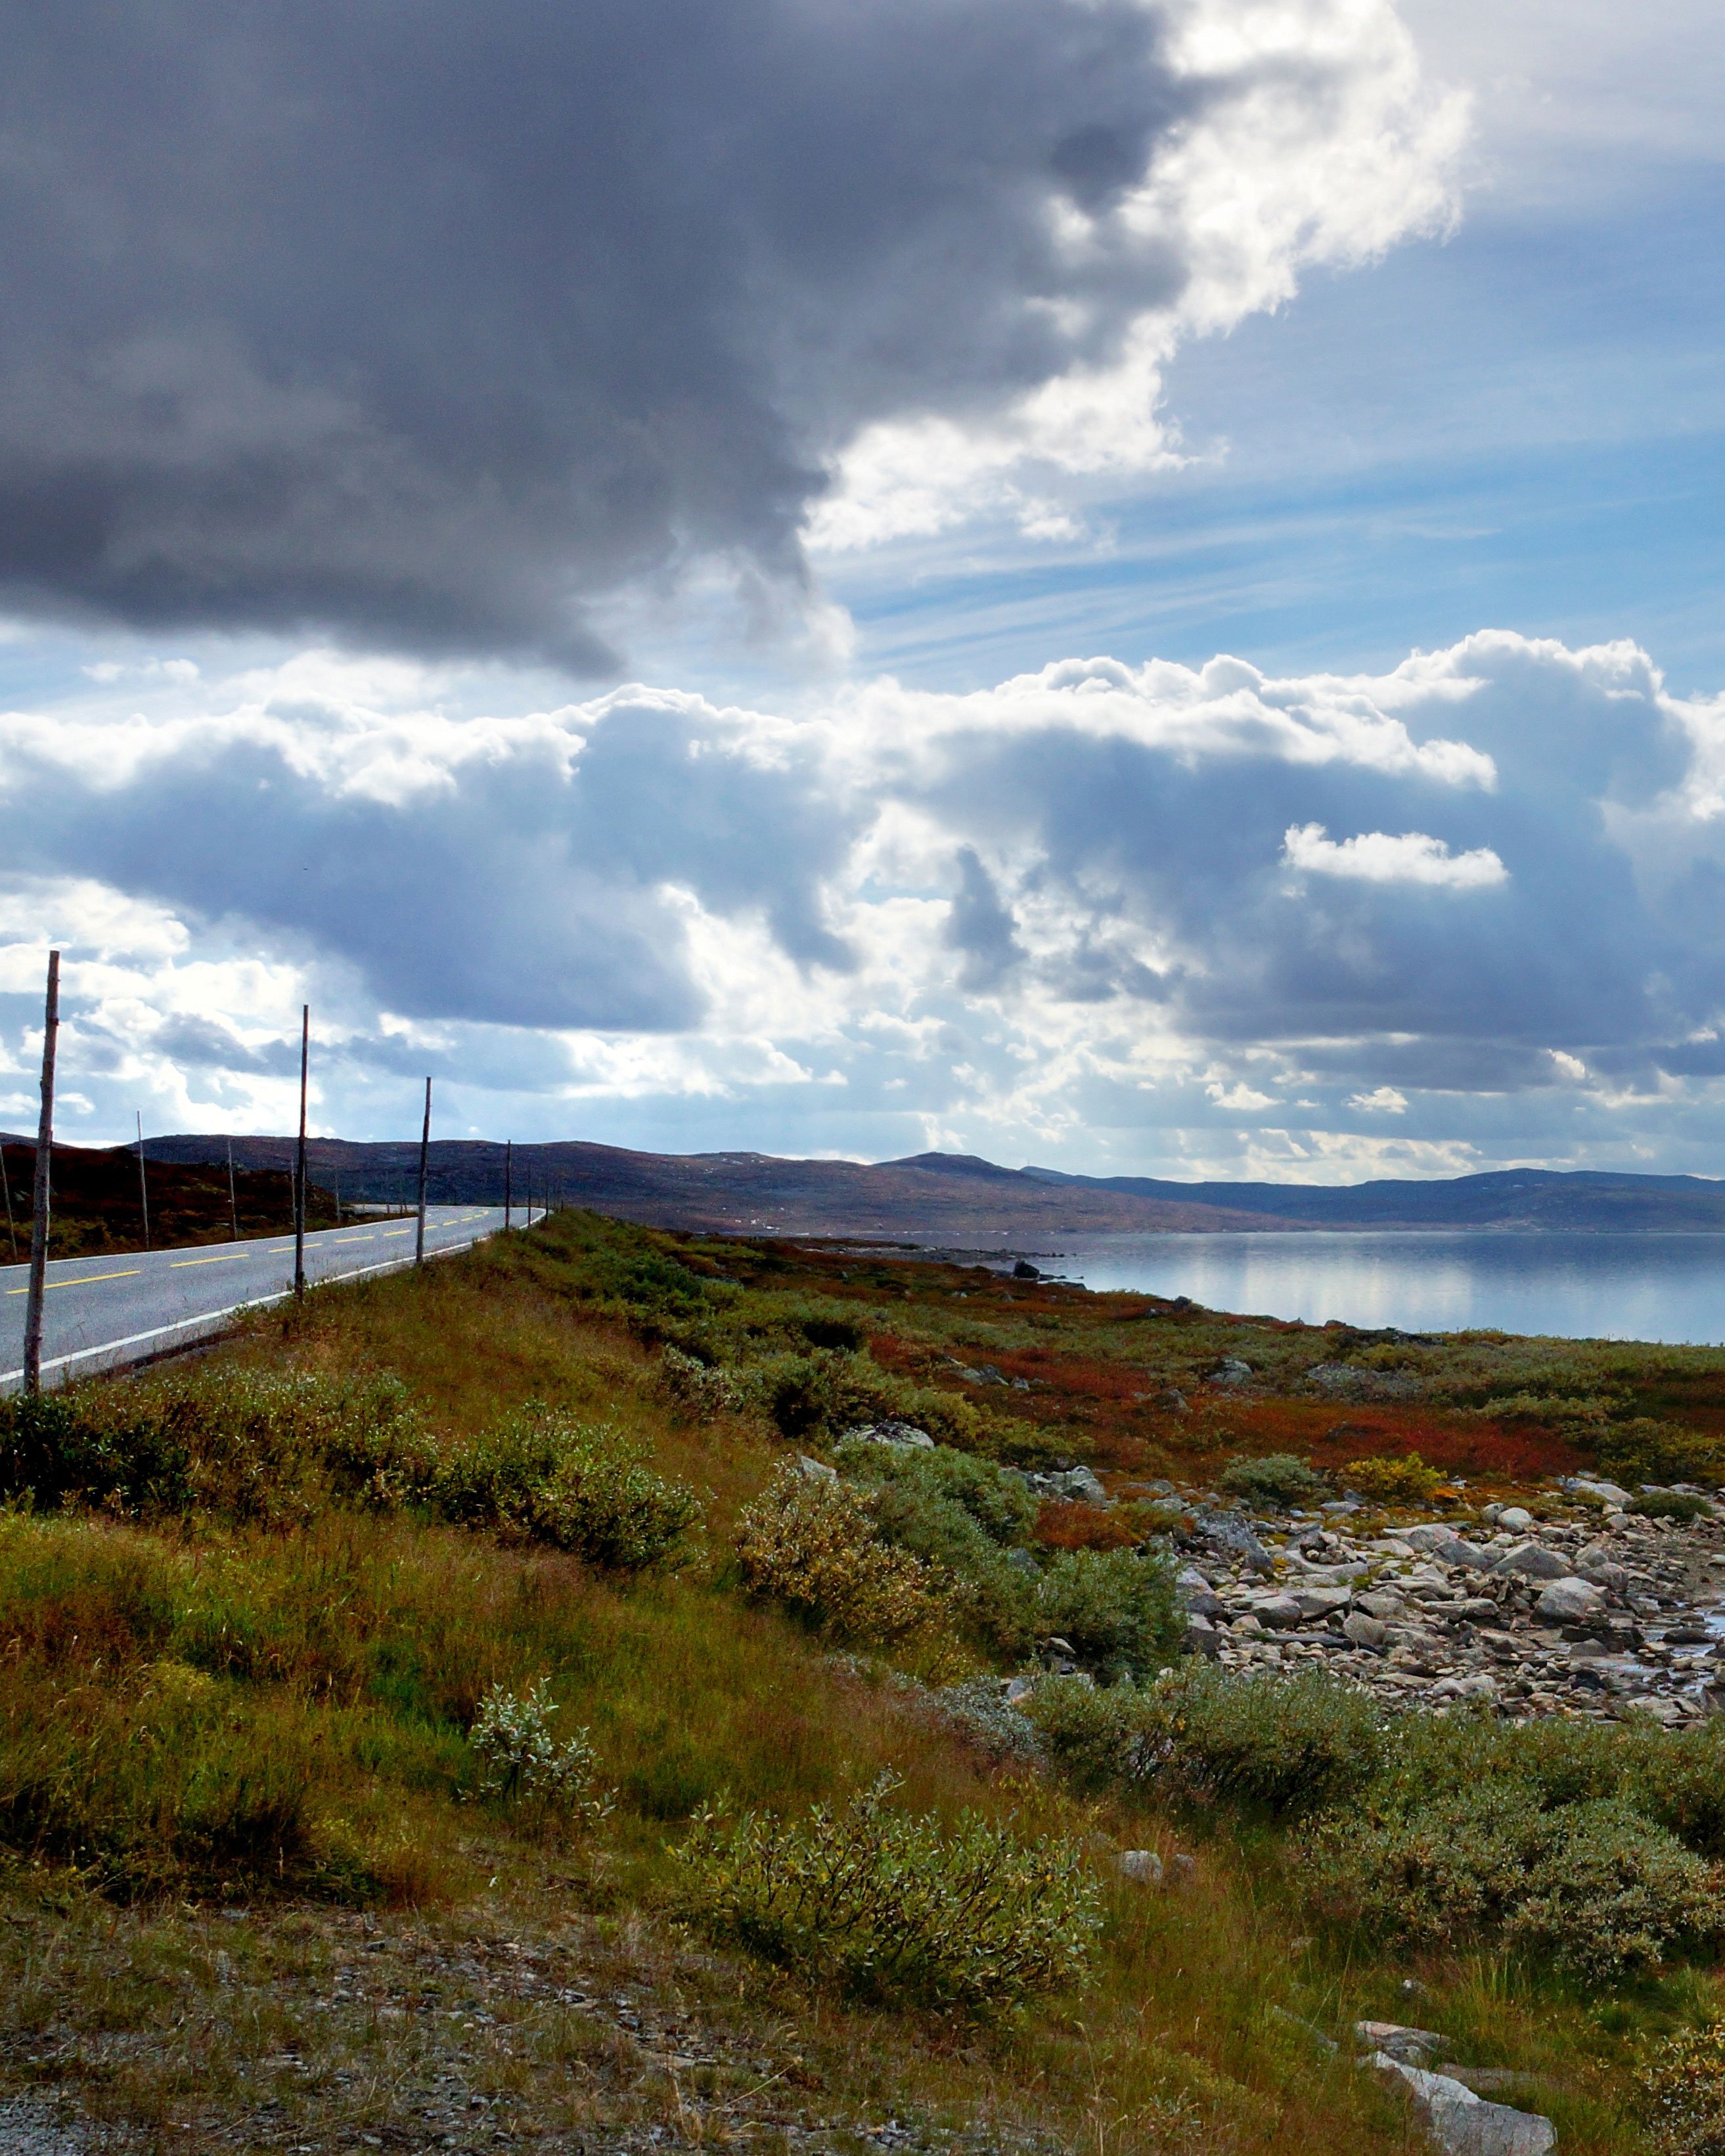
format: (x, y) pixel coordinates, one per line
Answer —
(1615, 1287)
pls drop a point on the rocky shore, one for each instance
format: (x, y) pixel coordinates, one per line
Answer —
(1579, 1607)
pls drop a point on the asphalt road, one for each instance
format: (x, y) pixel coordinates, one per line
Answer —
(104, 1310)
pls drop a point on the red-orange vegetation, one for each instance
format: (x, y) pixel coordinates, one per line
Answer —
(1082, 1527)
(1454, 1445)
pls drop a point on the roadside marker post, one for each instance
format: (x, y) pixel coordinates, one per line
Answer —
(508, 1179)
(233, 1197)
(299, 1207)
(143, 1187)
(6, 1185)
(44, 1185)
(425, 1149)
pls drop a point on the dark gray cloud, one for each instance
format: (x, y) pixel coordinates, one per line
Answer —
(422, 324)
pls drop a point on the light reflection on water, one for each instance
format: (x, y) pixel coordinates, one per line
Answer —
(1614, 1287)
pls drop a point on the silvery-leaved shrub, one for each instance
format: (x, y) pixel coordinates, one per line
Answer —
(896, 1908)
(815, 1547)
(1682, 2081)
(511, 1734)
(702, 1388)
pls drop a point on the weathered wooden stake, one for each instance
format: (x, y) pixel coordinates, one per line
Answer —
(508, 1179)
(425, 1148)
(6, 1185)
(143, 1187)
(44, 1184)
(233, 1195)
(299, 1206)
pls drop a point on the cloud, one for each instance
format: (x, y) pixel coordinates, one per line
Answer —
(1375, 857)
(1053, 919)
(427, 330)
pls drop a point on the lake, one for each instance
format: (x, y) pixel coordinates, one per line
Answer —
(1613, 1287)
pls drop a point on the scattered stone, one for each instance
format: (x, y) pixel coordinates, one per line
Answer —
(1433, 1535)
(1514, 1519)
(902, 1433)
(1282, 1612)
(1412, 2046)
(814, 1470)
(1073, 1485)
(1347, 1381)
(1144, 1865)
(1571, 1601)
(1321, 1601)
(1591, 1486)
(1227, 1531)
(1364, 1631)
(1025, 1270)
(1183, 1871)
(1233, 1372)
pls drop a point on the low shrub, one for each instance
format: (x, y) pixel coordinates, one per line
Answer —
(540, 1476)
(1285, 1746)
(1392, 1479)
(699, 1388)
(1116, 1608)
(1643, 1451)
(511, 1734)
(815, 1547)
(826, 1392)
(250, 1445)
(1682, 2081)
(998, 1502)
(1274, 1482)
(1669, 1505)
(893, 1907)
(1594, 1888)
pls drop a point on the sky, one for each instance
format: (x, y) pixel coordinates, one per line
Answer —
(1129, 585)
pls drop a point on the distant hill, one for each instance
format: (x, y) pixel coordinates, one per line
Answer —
(962, 1199)
(1582, 1200)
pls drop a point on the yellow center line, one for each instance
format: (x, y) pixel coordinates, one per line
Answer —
(396, 1231)
(85, 1280)
(224, 1258)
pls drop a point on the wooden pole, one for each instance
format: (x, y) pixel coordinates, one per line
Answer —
(44, 1184)
(6, 1185)
(299, 1208)
(233, 1195)
(508, 1179)
(425, 1149)
(143, 1185)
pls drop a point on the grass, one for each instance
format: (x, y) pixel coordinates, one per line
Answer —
(253, 1890)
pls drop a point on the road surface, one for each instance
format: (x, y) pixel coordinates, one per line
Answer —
(104, 1310)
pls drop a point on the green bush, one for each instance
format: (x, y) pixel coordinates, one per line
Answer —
(1285, 1746)
(1643, 1451)
(896, 1908)
(998, 1502)
(1115, 1607)
(1594, 1888)
(1682, 2086)
(539, 1476)
(1669, 1505)
(1274, 1482)
(1392, 1478)
(511, 1734)
(828, 1392)
(248, 1444)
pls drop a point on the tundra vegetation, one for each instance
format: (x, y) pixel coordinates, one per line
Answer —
(657, 1690)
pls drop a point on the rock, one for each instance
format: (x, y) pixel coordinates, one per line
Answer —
(1382, 1603)
(1025, 1270)
(1075, 1486)
(1174, 1401)
(1347, 1381)
(1430, 1537)
(1143, 1866)
(1477, 1609)
(1201, 1636)
(1233, 1372)
(1530, 1561)
(1021, 1560)
(1227, 1531)
(1282, 1612)
(1476, 1558)
(1364, 1631)
(1598, 1562)
(902, 1433)
(814, 1470)
(1592, 1485)
(1464, 2124)
(1248, 1625)
(1412, 2046)
(1183, 1871)
(1514, 1519)
(1688, 1635)
(1570, 1602)
(1321, 1601)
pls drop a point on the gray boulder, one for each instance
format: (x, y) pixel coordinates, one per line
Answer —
(1322, 1601)
(1413, 2047)
(1281, 1612)
(1529, 1561)
(814, 1470)
(1433, 1535)
(1201, 1636)
(1227, 1531)
(1593, 1485)
(1073, 1485)
(1464, 2124)
(1570, 1602)
(1233, 1372)
(904, 1434)
(1363, 1630)
(1142, 1866)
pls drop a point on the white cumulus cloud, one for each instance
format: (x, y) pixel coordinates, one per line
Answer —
(1376, 857)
